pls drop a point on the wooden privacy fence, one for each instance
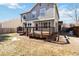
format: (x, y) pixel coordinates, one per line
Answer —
(7, 30)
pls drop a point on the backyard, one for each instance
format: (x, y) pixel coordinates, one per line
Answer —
(15, 45)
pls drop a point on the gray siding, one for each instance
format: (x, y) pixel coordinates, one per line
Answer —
(49, 12)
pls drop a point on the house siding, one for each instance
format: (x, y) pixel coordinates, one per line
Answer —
(48, 14)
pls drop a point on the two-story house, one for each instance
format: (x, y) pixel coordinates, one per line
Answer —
(42, 16)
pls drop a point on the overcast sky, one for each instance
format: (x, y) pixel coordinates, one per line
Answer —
(12, 10)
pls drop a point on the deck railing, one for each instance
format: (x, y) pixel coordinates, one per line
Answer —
(50, 30)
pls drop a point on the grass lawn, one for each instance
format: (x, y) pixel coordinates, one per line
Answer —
(4, 37)
(27, 46)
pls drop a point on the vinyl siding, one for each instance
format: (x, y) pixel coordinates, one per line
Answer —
(48, 14)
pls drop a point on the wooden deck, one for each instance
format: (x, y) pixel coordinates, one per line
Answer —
(47, 34)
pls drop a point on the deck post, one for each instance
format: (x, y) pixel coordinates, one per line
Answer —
(33, 31)
(27, 30)
(41, 30)
(49, 28)
(58, 36)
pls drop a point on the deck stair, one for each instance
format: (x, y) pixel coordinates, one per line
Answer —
(65, 36)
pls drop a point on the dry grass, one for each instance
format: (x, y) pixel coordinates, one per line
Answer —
(27, 46)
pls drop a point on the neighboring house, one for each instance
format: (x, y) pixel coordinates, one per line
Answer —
(42, 15)
(77, 23)
(76, 28)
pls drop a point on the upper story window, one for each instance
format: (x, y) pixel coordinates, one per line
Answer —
(24, 16)
(42, 11)
(34, 14)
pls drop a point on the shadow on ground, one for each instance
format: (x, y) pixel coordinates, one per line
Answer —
(4, 37)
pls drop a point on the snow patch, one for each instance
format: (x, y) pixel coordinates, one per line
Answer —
(15, 39)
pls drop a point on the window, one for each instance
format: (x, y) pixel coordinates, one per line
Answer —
(34, 14)
(29, 24)
(25, 25)
(24, 17)
(45, 25)
(42, 11)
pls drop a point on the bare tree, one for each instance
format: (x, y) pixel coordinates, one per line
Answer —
(74, 8)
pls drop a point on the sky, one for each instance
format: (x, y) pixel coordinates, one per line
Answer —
(13, 10)
(67, 12)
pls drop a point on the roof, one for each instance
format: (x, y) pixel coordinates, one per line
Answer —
(29, 10)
